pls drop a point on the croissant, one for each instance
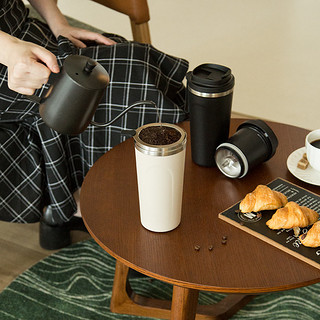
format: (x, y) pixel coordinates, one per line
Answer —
(312, 238)
(292, 216)
(262, 198)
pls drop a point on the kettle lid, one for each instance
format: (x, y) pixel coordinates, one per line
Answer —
(86, 72)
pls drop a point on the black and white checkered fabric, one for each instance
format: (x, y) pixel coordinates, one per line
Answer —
(38, 166)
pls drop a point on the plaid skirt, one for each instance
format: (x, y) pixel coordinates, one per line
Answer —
(40, 167)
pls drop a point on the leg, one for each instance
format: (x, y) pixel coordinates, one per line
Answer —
(184, 303)
(125, 301)
(53, 235)
(141, 32)
(225, 308)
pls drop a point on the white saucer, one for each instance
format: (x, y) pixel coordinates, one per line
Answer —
(308, 175)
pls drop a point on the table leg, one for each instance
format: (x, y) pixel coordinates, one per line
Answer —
(225, 308)
(184, 302)
(125, 301)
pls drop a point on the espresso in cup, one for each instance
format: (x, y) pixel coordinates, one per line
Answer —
(313, 149)
(316, 143)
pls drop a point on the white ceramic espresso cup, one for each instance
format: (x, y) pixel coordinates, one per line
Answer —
(313, 153)
(160, 175)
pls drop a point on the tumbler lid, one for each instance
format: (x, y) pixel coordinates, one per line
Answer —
(265, 132)
(210, 77)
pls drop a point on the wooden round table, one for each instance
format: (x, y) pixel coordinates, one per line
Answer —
(245, 265)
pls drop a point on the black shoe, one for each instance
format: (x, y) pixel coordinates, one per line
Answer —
(53, 237)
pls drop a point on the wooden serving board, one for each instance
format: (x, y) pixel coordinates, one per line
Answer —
(284, 239)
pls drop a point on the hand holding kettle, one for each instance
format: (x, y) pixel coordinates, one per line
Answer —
(71, 101)
(29, 65)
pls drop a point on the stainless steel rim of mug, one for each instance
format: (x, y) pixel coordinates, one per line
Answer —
(210, 95)
(160, 150)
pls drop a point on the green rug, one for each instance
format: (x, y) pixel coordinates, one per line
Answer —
(76, 283)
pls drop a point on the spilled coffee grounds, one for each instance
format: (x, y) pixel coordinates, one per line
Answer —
(159, 135)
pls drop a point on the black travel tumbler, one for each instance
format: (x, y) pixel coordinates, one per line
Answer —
(209, 100)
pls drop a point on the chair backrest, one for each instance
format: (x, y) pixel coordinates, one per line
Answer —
(137, 11)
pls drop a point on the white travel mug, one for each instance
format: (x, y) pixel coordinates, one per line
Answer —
(160, 175)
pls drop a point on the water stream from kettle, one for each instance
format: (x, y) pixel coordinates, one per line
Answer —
(158, 115)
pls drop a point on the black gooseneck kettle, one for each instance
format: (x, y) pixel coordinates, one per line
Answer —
(71, 101)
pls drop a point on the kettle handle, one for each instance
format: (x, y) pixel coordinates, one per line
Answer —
(138, 103)
(34, 98)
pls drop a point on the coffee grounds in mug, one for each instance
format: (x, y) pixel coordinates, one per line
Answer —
(159, 135)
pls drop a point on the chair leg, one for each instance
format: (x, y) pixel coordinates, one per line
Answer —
(141, 32)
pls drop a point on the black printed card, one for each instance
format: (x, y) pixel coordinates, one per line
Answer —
(284, 239)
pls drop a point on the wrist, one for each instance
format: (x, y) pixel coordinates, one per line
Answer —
(49, 10)
(57, 26)
(7, 41)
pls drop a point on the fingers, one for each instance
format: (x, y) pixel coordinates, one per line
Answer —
(77, 42)
(26, 78)
(25, 91)
(31, 69)
(103, 40)
(47, 58)
(30, 65)
(81, 34)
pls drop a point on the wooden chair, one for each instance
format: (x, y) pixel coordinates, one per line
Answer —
(137, 11)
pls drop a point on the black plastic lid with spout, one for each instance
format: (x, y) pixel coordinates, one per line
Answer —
(211, 78)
